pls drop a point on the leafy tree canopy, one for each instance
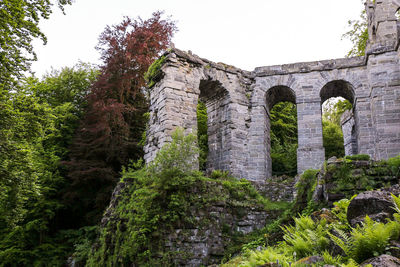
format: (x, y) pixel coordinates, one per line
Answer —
(111, 130)
(37, 125)
(332, 133)
(19, 25)
(334, 108)
(358, 35)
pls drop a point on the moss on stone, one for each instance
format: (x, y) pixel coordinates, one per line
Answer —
(153, 74)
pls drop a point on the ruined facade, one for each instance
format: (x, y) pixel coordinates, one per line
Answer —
(238, 102)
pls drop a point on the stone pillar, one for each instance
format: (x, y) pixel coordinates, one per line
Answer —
(365, 129)
(310, 153)
(384, 79)
(349, 133)
(384, 76)
(173, 103)
(239, 133)
(219, 136)
(259, 159)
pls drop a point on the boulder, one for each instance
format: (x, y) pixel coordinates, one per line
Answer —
(395, 248)
(382, 261)
(377, 205)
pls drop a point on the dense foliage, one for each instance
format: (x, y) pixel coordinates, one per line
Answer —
(72, 116)
(111, 129)
(19, 25)
(284, 139)
(93, 121)
(163, 195)
(332, 133)
(333, 140)
(322, 235)
(38, 121)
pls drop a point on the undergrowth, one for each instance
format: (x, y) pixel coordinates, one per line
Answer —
(323, 236)
(166, 195)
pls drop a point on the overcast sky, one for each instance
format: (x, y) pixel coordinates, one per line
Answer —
(246, 34)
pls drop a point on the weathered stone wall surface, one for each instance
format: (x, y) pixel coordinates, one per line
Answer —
(198, 241)
(349, 133)
(238, 102)
(277, 188)
(205, 245)
(344, 178)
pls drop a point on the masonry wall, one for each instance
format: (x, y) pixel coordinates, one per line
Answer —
(173, 102)
(238, 102)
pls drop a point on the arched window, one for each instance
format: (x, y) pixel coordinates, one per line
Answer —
(339, 129)
(282, 122)
(212, 126)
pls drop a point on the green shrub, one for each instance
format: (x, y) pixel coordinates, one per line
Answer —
(179, 156)
(307, 237)
(202, 136)
(270, 254)
(163, 196)
(305, 188)
(284, 159)
(216, 174)
(331, 260)
(332, 139)
(394, 164)
(358, 157)
(369, 240)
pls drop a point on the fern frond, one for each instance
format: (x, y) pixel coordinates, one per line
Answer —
(396, 202)
(343, 240)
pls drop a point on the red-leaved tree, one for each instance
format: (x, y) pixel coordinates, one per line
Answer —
(112, 127)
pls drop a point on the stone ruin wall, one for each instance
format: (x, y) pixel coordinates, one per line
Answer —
(238, 102)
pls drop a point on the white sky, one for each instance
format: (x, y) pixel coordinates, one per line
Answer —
(246, 34)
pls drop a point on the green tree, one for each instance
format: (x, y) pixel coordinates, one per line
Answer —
(38, 121)
(332, 139)
(358, 35)
(111, 130)
(333, 110)
(19, 25)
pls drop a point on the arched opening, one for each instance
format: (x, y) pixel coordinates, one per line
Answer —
(212, 125)
(338, 121)
(282, 125)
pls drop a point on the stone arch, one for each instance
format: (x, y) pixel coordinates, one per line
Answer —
(338, 88)
(278, 94)
(349, 125)
(216, 98)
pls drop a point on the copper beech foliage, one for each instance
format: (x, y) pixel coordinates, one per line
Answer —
(113, 125)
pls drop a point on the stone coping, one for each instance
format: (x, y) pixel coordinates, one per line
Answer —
(301, 67)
